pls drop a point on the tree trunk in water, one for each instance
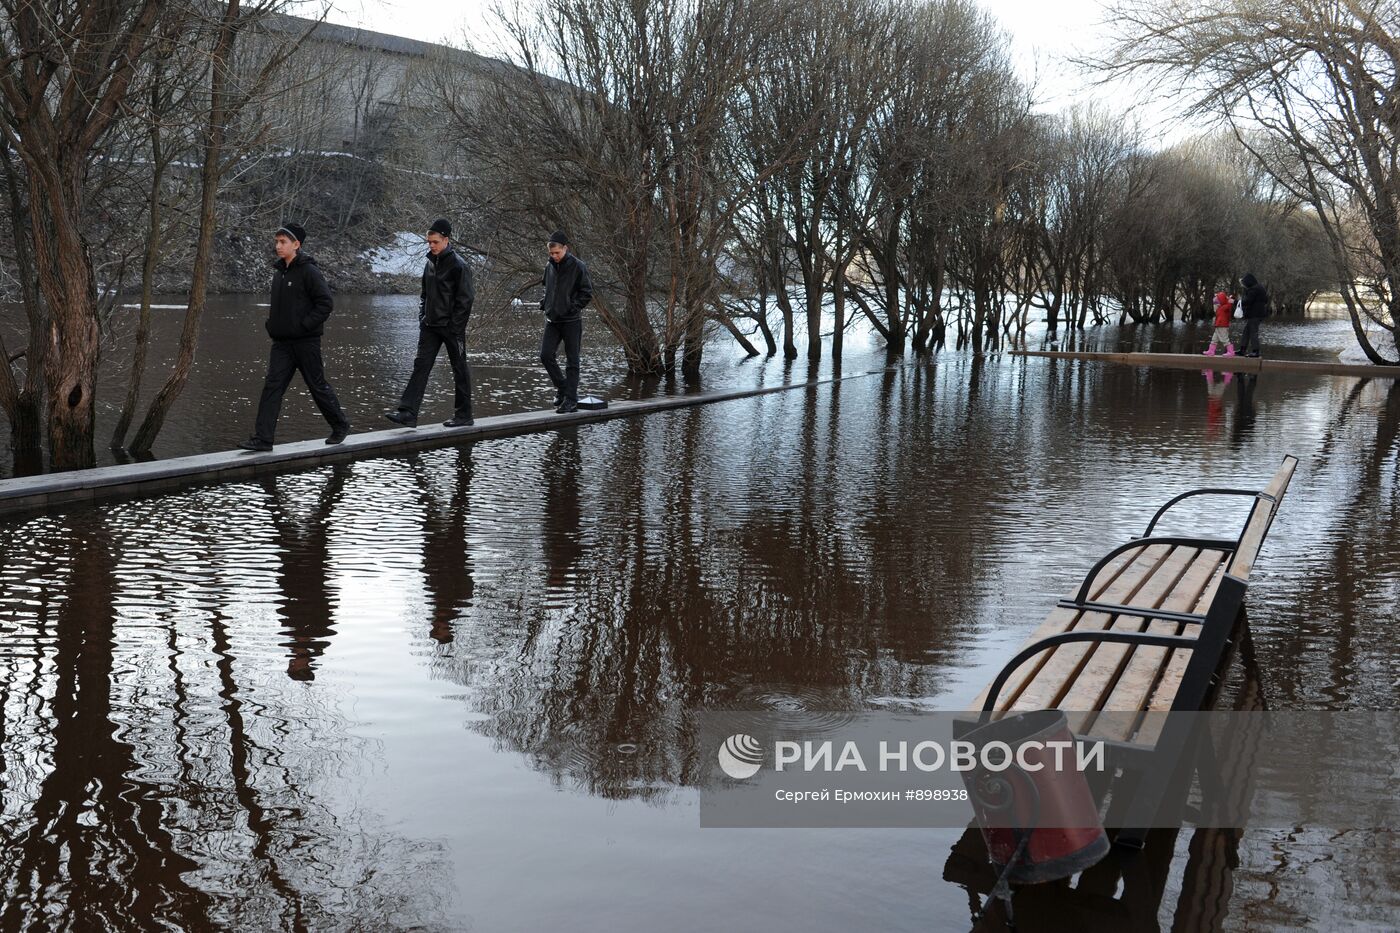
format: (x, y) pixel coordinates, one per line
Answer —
(1367, 346)
(138, 364)
(148, 274)
(25, 434)
(737, 334)
(209, 188)
(814, 319)
(785, 305)
(694, 342)
(772, 345)
(22, 402)
(839, 306)
(70, 291)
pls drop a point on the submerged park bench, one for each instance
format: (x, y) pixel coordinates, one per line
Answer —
(1148, 631)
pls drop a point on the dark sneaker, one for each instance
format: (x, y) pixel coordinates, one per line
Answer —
(402, 417)
(458, 422)
(558, 400)
(338, 436)
(256, 443)
(569, 406)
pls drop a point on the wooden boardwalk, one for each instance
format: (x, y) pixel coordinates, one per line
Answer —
(1236, 364)
(55, 490)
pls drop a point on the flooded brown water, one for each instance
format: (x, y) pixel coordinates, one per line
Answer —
(456, 690)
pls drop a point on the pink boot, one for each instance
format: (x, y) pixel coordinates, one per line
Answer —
(1229, 349)
(1210, 351)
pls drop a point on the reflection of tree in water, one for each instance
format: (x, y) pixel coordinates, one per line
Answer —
(1324, 648)
(714, 590)
(91, 841)
(174, 794)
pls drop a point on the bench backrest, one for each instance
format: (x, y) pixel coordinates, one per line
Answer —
(1261, 516)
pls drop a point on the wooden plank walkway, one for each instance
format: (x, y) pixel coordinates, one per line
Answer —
(1235, 364)
(54, 490)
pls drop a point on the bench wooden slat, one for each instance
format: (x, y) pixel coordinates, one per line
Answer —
(1059, 620)
(1063, 664)
(1082, 696)
(1164, 692)
(1149, 664)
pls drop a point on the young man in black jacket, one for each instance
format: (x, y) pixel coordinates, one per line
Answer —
(1254, 304)
(296, 317)
(567, 291)
(444, 305)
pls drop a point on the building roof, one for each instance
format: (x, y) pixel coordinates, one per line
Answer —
(374, 41)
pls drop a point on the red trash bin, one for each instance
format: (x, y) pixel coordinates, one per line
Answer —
(1039, 825)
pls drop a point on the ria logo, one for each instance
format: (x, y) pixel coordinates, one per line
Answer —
(740, 756)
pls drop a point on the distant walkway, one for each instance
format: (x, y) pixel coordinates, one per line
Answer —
(1235, 364)
(54, 490)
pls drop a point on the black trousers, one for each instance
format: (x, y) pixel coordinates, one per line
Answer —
(288, 357)
(570, 333)
(430, 341)
(1249, 343)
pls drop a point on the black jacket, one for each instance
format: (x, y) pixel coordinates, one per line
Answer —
(1254, 303)
(567, 289)
(301, 300)
(447, 295)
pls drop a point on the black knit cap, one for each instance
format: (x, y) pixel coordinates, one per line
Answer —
(295, 231)
(560, 237)
(441, 227)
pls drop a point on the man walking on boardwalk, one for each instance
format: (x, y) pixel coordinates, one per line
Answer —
(444, 305)
(567, 291)
(297, 312)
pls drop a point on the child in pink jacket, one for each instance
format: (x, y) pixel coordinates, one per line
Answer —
(1223, 307)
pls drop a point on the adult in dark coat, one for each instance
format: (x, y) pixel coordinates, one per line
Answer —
(297, 311)
(444, 306)
(567, 291)
(1254, 305)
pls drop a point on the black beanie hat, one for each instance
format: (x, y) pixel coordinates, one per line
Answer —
(441, 227)
(295, 231)
(558, 236)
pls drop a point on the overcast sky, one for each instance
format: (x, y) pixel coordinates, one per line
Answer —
(1045, 34)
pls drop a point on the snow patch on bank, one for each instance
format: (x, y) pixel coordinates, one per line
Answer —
(403, 256)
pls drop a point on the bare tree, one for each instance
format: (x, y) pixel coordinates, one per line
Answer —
(610, 121)
(227, 96)
(170, 82)
(65, 70)
(1321, 80)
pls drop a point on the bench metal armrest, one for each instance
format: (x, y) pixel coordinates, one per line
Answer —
(1226, 545)
(1200, 492)
(1065, 638)
(1141, 612)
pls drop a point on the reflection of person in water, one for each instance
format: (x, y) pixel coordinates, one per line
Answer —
(1215, 400)
(447, 566)
(303, 580)
(1244, 406)
(560, 537)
